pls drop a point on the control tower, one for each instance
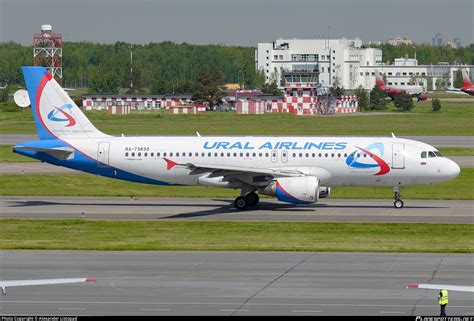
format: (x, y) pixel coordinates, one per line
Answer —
(48, 51)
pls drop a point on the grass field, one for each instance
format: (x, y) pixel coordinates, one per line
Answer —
(455, 118)
(92, 185)
(245, 236)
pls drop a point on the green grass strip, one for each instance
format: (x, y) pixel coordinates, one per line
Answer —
(92, 185)
(454, 118)
(233, 236)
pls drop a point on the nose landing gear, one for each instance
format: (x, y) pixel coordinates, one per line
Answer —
(396, 195)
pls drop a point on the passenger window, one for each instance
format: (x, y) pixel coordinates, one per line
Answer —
(215, 154)
(171, 154)
(145, 154)
(235, 154)
(332, 155)
(266, 154)
(313, 155)
(338, 155)
(241, 154)
(431, 154)
(139, 154)
(307, 155)
(222, 154)
(253, 155)
(164, 154)
(209, 154)
(228, 154)
(126, 154)
(423, 154)
(326, 155)
(294, 154)
(247, 154)
(203, 154)
(177, 154)
(151, 154)
(301, 154)
(320, 155)
(259, 154)
(133, 154)
(196, 154)
(345, 154)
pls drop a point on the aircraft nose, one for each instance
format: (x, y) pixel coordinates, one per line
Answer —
(453, 170)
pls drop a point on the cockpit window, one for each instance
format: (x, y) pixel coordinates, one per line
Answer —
(431, 154)
(438, 153)
(423, 154)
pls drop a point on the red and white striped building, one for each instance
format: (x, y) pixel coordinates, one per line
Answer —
(300, 99)
(134, 102)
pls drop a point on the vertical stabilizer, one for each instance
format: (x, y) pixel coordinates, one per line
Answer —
(55, 113)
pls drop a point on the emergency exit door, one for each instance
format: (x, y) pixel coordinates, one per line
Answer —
(398, 156)
(103, 154)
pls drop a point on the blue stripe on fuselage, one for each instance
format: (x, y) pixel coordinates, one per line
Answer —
(82, 163)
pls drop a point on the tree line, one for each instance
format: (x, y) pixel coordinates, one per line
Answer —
(164, 67)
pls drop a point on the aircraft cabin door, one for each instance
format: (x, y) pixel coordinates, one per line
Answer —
(398, 156)
(274, 156)
(103, 154)
(284, 156)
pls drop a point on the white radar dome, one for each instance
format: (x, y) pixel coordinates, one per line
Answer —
(21, 98)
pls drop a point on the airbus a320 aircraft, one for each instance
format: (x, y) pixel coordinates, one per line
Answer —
(298, 170)
(413, 90)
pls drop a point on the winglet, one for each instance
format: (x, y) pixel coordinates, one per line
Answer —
(393, 135)
(198, 135)
(169, 163)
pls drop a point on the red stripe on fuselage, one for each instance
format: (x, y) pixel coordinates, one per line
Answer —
(384, 168)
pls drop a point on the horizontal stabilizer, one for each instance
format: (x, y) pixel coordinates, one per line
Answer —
(61, 153)
(461, 288)
(11, 283)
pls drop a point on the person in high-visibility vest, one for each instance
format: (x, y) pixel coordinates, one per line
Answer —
(443, 301)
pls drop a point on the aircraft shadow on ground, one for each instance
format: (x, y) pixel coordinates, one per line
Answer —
(218, 209)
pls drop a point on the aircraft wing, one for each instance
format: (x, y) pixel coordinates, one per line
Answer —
(441, 287)
(234, 170)
(10, 283)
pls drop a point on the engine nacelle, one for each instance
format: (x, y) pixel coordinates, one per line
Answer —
(324, 192)
(295, 190)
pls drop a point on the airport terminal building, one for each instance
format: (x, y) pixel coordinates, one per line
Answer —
(349, 63)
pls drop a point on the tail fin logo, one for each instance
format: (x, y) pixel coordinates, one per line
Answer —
(61, 112)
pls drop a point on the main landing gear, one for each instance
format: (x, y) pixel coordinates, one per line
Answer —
(243, 202)
(396, 195)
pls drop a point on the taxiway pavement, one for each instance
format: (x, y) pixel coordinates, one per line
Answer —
(234, 283)
(222, 209)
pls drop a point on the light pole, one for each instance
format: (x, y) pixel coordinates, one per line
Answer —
(131, 67)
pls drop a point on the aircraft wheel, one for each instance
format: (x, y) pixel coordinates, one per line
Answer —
(252, 199)
(398, 204)
(241, 203)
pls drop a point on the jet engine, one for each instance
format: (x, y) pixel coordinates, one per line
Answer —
(324, 192)
(295, 190)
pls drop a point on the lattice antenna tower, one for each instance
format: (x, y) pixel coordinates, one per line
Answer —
(48, 51)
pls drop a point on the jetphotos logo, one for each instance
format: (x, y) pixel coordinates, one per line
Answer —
(370, 160)
(61, 115)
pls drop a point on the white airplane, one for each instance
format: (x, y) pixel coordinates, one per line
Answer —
(12, 283)
(467, 87)
(416, 91)
(450, 287)
(298, 170)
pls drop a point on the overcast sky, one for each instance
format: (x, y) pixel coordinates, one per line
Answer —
(236, 22)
